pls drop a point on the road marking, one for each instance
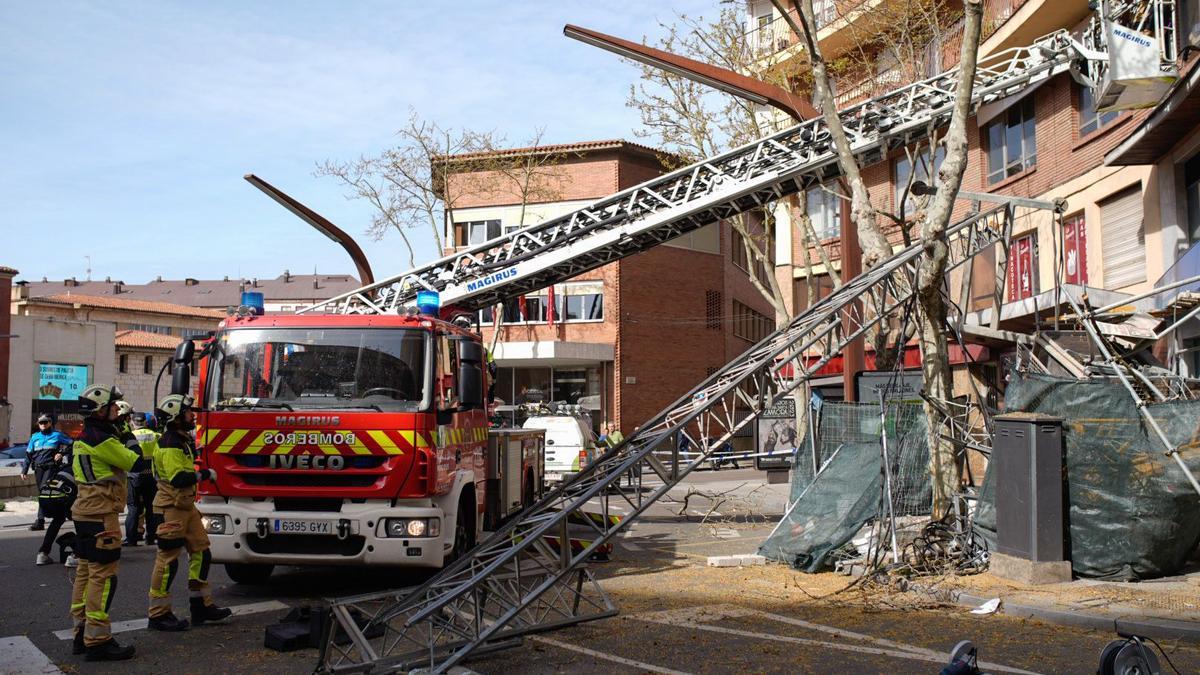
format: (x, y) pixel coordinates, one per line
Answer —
(726, 533)
(693, 616)
(140, 624)
(22, 657)
(609, 657)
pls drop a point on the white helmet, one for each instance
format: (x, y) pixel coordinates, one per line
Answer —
(172, 406)
(96, 396)
(124, 408)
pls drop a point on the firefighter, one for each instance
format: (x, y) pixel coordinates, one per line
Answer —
(99, 465)
(142, 486)
(178, 520)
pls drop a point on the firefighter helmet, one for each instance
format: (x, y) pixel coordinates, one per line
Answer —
(124, 408)
(96, 396)
(172, 407)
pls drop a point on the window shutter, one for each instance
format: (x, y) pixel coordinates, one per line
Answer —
(1123, 242)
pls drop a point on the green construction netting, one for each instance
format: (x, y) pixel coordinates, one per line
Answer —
(827, 509)
(1132, 513)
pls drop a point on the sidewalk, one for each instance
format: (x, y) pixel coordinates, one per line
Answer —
(1167, 608)
(17, 513)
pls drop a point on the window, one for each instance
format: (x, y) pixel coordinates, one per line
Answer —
(1191, 181)
(1089, 119)
(573, 301)
(1011, 142)
(1075, 250)
(342, 368)
(148, 365)
(820, 285)
(738, 245)
(925, 173)
(750, 325)
(741, 258)
(161, 330)
(825, 212)
(123, 363)
(824, 12)
(475, 232)
(1022, 268)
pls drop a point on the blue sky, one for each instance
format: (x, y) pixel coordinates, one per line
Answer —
(126, 127)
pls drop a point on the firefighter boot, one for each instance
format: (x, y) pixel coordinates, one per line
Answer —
(77, 646)
(202, 613)
(109, 651)
(167, 623)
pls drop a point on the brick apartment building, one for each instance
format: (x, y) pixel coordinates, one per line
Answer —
(1046, 142)
(630, 337)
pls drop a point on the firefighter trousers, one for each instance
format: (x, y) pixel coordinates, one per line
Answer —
(179, 529)
(98, 546)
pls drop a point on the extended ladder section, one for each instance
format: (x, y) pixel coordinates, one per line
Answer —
(526, 578)
(659, 210)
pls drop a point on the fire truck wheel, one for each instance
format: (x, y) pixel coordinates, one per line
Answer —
(464, 526)
(248, 573)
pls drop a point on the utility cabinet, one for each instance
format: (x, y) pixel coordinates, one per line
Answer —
(1027, 456)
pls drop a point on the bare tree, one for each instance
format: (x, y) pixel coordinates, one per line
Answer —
(404, 183)
(691, 121)
(933, 221)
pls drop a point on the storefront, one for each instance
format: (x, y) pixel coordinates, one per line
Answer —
(578, 385)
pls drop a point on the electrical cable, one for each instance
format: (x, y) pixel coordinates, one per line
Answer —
(1161, 651)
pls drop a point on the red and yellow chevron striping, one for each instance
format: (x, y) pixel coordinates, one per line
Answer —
(310, 441)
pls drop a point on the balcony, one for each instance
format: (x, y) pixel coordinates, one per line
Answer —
(774, 38)
(938, 57)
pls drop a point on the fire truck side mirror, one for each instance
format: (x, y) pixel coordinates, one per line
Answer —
(470, 386)
(470, 351)
(181, 378)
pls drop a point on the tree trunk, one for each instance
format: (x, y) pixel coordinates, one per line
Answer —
(935, 359)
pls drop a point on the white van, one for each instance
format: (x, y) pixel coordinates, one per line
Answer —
(570, 444)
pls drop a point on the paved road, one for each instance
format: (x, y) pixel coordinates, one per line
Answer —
(676, 614)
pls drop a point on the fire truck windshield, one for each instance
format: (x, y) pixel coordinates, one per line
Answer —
(320, 368)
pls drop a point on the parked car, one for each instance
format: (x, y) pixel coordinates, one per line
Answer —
(13, 456)
(570, 444)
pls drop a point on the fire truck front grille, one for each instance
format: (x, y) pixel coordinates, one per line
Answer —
(353, 462)
(310, 480)
(306, 544)
(316, 504)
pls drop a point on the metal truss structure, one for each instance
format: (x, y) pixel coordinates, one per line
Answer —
(737, 181)
(518, 582)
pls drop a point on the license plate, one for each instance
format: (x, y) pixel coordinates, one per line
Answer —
(553, 477)
(296, 526)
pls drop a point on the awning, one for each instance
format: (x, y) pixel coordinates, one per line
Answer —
(552, 353)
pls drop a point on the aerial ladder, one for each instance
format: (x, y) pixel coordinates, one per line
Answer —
(525, 577)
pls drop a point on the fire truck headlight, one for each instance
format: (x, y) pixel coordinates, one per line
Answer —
(214, 524)
(412, 527)
(416, 528)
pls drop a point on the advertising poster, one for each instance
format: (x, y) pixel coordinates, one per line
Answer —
(56, 393)
(775, 432)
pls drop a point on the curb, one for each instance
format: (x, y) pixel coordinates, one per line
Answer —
(1159, 629)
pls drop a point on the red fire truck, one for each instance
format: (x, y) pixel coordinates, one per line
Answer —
(344, 439)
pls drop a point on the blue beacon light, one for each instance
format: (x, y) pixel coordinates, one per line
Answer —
(253, 300)
(428, 302)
